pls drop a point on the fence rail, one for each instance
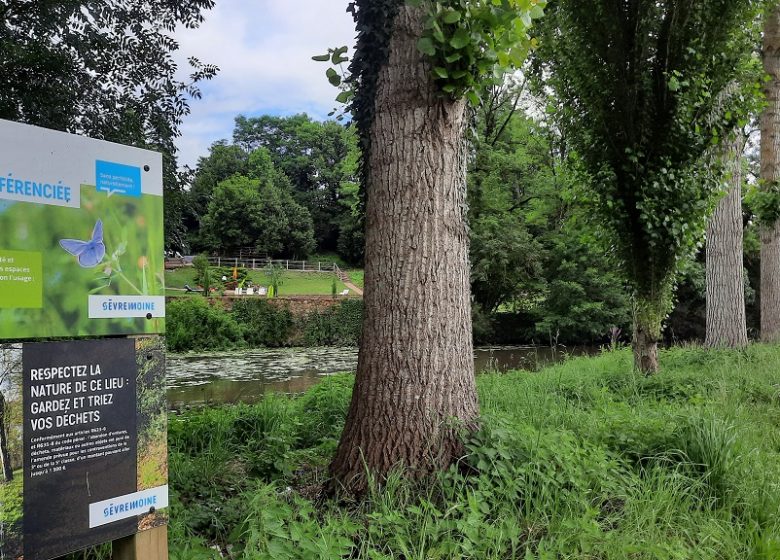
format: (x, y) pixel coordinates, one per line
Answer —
(255, 264)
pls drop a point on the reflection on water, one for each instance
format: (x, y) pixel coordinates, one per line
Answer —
(246, 375)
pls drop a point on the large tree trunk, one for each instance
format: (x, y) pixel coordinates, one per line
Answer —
(5, 457)
(770, 174)
(726, 323)
(415, 376)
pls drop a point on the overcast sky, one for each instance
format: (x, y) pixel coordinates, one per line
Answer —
(263, 49)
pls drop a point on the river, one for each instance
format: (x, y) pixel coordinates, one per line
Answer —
(244, 376)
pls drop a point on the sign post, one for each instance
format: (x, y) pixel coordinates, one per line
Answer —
(83, 425)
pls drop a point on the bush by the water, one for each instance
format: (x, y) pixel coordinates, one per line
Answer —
(262, 323)
(582, 460)
(339, 325)
(195, 324)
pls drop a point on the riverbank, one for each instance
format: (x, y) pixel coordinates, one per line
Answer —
(583, 460)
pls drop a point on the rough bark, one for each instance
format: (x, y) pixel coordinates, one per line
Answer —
(5, 457)
(726, 322)
(415, 376)
(649, 312)
(770, 174)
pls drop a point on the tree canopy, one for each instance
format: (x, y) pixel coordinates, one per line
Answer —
(642, 101)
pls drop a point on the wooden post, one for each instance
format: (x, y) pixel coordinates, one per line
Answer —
(151, 544)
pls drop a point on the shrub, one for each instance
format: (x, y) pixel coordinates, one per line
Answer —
(262, 323)
(339, 325)
(193, 324)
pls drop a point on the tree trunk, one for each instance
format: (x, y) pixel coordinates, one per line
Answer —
(415, 376)
(770, 174)
(726, 323)
(5, 458)
(649, 313)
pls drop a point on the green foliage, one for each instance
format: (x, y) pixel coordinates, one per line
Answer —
(765, 203)
(320, 160)
(203, 275)
(256, 212)
(643, 101)
(195, 324)
(473, 44)
(87, 46)
(263, 324)
(584, 297)
(586, 459)
(533, 246)
(275, 276)
(339, 325)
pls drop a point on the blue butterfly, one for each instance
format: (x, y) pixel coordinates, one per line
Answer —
(89, 253)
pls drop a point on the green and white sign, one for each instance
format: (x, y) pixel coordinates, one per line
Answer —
(81, 236)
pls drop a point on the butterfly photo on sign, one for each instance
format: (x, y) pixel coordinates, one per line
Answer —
(88, 253)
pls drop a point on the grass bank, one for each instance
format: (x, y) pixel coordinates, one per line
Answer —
(583, 460)
(291, 283)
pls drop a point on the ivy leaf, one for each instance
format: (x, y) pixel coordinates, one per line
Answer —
(451, 16)
(333, 77)
(425, 46)
(461, 39)
(338, 55)
(345, 96)
(454, 57)
(441, 72)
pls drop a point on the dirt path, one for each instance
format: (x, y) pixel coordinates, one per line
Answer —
(354, 288)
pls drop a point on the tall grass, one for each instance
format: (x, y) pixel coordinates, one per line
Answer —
(584, 460)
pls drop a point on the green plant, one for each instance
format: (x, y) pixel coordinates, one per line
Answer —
(275, 275)
(473, 44)
(194, 324)
(338, 325)
(202, 273)
(262, 323)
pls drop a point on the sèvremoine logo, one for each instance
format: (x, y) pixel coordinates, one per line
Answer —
(109, 307)
(129, 505)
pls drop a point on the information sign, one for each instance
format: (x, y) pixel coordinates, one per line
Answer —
(81, 236)
(86, 445)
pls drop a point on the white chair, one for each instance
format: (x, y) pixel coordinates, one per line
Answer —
(345, 292)
(239, 291)
(250, 291)
(262, 291)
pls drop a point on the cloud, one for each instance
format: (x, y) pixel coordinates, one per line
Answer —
(263, 49)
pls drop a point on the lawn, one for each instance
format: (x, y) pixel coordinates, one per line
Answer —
(293, 283)
(356, 277)
(584, 460)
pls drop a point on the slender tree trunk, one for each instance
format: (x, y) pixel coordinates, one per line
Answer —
(726, 322)
(415, 376)
(770, 174)
(649, 313)
(5, 457)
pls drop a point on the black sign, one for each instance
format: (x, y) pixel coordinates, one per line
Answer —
(80, 442)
